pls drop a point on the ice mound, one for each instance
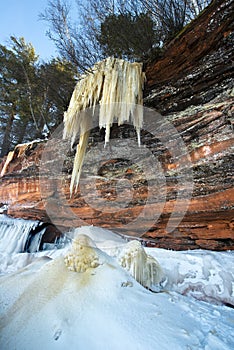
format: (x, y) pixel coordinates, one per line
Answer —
(144, 268)
(83, 255)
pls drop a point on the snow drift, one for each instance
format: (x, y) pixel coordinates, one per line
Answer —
(47, 305)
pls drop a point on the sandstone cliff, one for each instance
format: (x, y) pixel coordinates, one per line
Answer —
(192, 86)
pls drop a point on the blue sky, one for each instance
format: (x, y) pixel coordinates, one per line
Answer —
(20, 18)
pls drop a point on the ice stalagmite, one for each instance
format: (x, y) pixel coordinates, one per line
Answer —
(116, 85)
(144, 268)
(83, 255)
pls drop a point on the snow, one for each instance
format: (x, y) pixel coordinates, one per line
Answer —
(45, 305)
(202, 274)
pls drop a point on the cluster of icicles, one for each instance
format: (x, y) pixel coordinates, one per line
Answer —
(116, 87)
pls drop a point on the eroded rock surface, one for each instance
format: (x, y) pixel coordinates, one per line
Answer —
(191, 85)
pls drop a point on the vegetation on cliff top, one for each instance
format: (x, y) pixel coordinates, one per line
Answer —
(34, 95)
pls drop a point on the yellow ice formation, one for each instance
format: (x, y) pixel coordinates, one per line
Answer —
(83, 255)
(18, 151)
(144, 268)
(9, 158)
(116, 85)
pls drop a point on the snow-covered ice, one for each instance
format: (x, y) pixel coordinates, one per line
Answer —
(44, 305)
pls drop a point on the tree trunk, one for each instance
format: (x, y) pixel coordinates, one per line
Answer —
(6, 143)
(21, 133)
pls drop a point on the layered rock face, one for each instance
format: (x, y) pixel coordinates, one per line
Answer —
(191, 86)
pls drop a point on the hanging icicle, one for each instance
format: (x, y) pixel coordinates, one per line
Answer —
(116, 85)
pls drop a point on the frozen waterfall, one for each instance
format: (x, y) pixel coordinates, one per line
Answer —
(117, 87)
(14, 234)
(21, 236)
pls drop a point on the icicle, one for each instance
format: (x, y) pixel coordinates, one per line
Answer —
(117, 86)
(153, 272)
(144, 268)
(9, 158)
(78, 162)
(35, 241)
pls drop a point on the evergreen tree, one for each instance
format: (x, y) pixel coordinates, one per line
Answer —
(128, 36)
(33, 96)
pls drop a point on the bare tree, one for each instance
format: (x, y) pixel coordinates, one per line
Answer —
(172, 15)
(195, 7)
(72, 39)
(79, 40)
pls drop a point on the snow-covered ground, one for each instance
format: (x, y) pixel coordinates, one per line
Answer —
(44, 305)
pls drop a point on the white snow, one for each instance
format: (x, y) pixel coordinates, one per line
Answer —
(44, 305)
(202, 274)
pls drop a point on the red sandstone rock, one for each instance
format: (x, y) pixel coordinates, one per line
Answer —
(192, 85)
